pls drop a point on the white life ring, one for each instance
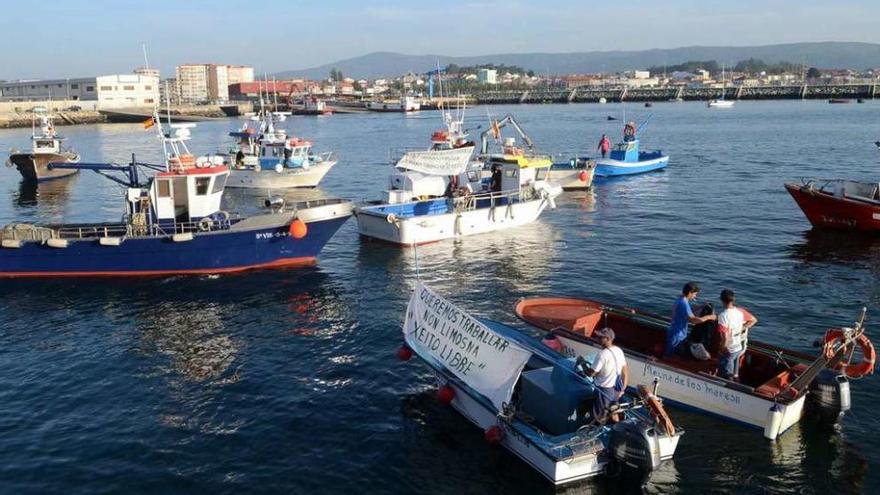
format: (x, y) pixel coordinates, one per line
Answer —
(223, 215)
(257, 167)
(205, 224)
(391, 218)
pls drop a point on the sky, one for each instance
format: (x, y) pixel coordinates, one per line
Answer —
(80, 38)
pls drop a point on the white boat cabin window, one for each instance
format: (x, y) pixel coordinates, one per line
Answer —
(473, 176)
(299, 152)
(163, 186)
(510, 173)
(44, 144)
(202, 185)
(541, 173)
(219, 183)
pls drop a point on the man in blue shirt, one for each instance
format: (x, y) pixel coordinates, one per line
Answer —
(681, 316)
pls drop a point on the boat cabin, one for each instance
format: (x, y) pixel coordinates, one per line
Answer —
(408, 185)
(627, 151)
(187, 193)
(290, 153)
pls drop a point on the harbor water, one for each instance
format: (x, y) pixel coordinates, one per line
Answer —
(287, 381)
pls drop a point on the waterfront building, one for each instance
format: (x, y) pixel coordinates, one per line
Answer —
(111, 91)
(487, 76)
(199, 83)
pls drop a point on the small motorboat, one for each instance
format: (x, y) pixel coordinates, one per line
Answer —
(720, 103)
(526, 397)
(648, 104)
(611, 118)
(265, 157)
(576, 174)
(46, 148)
(775, 383)
(626, 158)
(839, 204)
(839, 100)
(404, 104)
(172, 225)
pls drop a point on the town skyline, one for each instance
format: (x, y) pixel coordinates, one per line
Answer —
(201, 31)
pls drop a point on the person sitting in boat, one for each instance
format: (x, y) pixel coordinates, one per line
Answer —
(604, 145)
(610, 374)
(629, 132)
(682, 315)
(733, 325)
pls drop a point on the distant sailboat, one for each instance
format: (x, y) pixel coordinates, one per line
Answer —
(721, 102)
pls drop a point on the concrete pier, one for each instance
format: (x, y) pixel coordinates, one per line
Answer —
(593, 95)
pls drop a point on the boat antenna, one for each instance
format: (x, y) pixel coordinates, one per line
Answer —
(146, 62)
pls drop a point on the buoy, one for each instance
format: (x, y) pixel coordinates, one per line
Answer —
(836, 337)
(404, 353)
(583, 176)
(493, 435)
(445, 394)
(279, 168)
(298, 229)
(774, 422)
(552, 342)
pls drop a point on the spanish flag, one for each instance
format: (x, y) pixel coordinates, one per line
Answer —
(149, 123)
(496, 129)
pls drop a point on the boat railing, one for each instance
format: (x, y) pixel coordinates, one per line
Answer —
(472, 202)
(326, 156)
(135, 229)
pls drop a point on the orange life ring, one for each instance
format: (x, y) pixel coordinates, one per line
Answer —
(658, 412)
(858, 370)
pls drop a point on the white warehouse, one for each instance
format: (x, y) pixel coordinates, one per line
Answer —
(114, 91)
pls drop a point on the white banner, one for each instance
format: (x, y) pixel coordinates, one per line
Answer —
(437, 162)
(449, 338)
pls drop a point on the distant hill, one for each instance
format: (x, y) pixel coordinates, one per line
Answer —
(827, 55)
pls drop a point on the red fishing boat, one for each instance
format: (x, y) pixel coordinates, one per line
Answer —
(839, 204)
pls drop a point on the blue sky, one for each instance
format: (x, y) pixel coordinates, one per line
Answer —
(70, 38)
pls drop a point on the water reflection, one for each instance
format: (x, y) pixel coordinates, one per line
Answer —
(51, 195)
(829, 246)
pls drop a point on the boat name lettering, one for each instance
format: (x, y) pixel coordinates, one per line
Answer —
(270, 235)
(688, 383)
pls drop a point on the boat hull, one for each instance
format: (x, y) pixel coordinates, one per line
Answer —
(374, 222)
(606, 167)
(693, 391)
(558, 471)
(34, 167)
(572, 178)
(270, 179)
(825, 210)
(256, 242)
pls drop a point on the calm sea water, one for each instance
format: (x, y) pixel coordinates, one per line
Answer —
(286, 381)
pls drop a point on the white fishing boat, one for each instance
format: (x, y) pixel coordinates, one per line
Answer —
(266, 157)
(525, 397)
(438, 195)
(775, 385)
(46, 148)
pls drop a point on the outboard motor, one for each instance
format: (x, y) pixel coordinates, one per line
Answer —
(633, 445)
(829, 394)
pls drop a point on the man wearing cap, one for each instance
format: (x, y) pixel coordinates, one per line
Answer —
(682, 315)
(609, 373)
(733, 325)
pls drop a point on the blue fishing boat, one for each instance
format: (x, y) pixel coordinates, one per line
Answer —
(529, 398)
(627, 159)
(172, 225)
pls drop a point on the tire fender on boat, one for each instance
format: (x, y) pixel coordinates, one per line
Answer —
(836, 337)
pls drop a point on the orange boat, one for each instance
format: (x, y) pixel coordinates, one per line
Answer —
(774, 382)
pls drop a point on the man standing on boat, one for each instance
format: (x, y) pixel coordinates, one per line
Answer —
(733, 325)
(682, 315)
(610, 374)
(604, 145)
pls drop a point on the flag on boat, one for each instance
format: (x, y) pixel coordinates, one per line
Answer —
(149, 123)
(437, 162)
(448, 338)
(496, 130)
